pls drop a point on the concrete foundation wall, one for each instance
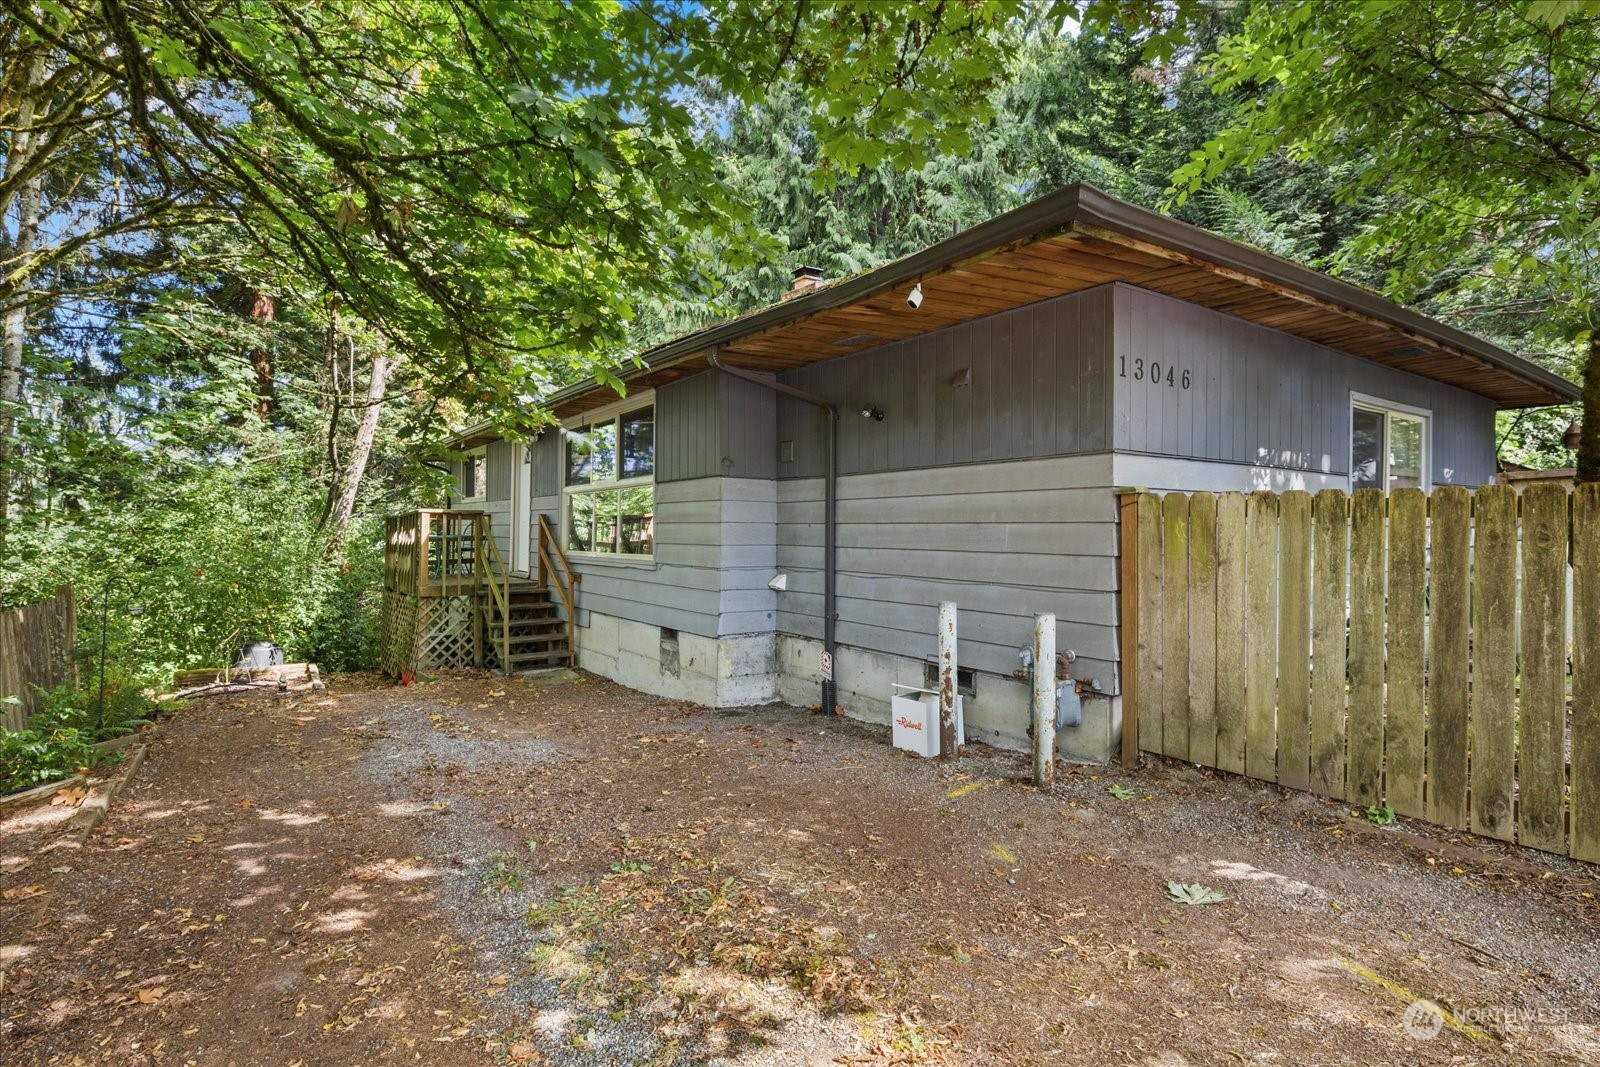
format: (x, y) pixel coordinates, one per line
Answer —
(718, 672)
(998, 714)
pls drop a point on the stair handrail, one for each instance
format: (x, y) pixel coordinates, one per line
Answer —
(556, 570)
(493, 573)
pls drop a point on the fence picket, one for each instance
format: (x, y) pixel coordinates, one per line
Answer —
(1151, 690)
(1203, 629)
(1230, 632)
(1261, 636)
(1331, 554)
(1542, 727)
(1365, 725)
(1175, 625)
(1294, 639)
(1404, 730)
(1449, 648)
(1586, 673)
(1494, 686)
(38, 644)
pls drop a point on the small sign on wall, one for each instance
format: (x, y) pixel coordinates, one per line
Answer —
(825, 665)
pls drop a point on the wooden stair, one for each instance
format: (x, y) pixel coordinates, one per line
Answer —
(538, 637)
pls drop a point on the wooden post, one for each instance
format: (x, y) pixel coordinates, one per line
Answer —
(1044, 701)
(1128, 565)
(947, 680)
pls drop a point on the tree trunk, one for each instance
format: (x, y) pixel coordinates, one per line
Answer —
(14, 297)
(1589, 425)
(349, 483)
(262, 310)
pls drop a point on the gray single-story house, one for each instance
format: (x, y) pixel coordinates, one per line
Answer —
(952, 426)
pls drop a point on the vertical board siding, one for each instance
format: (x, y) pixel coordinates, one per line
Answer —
(1400, 649)
(1038, 381)
(688, 425)
(38, 651)
(498, 475)
(1267, 399)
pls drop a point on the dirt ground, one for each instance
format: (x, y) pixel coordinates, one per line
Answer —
(558, 870)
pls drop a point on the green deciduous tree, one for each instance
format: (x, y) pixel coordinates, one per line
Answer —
(1475, 125)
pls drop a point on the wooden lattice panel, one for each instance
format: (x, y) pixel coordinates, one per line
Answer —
(398, 634)
(446, 634)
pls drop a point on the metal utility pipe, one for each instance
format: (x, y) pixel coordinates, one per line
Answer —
(1044, 701)
(948, 681)
(830, 503)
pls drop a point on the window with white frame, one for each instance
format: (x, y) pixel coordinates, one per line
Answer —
(608, 502)
(1388, 445)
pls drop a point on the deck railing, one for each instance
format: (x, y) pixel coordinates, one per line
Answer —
(444, 579)
(556, 573)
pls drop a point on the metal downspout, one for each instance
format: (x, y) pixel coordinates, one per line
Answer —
(830, 505)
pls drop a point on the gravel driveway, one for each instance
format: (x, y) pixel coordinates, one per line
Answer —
(558, 870)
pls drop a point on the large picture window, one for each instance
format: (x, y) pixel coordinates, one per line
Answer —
(609, 499)
(1388, 446)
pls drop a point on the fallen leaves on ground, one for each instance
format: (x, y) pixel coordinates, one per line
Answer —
(23, 892)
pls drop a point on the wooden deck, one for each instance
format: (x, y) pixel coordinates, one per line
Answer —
(449, 601)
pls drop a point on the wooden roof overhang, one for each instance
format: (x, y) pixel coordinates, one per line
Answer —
(1075, 239)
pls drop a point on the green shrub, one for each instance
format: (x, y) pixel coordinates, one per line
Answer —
(31, 756)
(126, 710)
(59, 738)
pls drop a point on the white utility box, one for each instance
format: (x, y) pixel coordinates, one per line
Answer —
(914, 715)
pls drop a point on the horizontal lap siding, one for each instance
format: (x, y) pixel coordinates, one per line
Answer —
(683, 588)
(499, 513)
(1005, 541)
(714, 556)
(1266, 400)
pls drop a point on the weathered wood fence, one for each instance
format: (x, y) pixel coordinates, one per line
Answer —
(1402, 648)
(38, 647)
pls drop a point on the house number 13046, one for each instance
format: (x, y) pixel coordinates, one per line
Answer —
(1156, 373)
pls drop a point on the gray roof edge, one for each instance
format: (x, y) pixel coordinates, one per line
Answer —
(1054, 213)
(1098, 208)
(1047, 214)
